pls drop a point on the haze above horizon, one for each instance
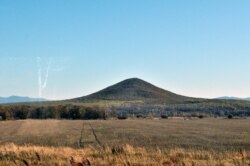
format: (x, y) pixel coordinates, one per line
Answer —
(66, 49)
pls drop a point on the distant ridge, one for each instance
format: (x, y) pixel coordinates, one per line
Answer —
(135, 89)
(19, 99)
(232, 98)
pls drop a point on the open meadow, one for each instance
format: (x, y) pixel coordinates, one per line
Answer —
(209, 133)
(206, 141)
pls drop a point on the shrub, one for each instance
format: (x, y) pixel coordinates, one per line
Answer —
(3, 115)
(92, 113)
(230, 116)
(74, 113)
(21, 114)
(64, 114)
(140, 116)
(113, 113)
(122, 117)
(164, 116)
(38, 113)
(201, 116)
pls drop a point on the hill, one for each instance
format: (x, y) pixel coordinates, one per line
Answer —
(129, 97)
(135, 89)
(19, 99)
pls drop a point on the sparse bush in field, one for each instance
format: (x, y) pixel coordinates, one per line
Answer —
(140, 116)
(230, 116)
(200, 116)
(122, 117)
(164, 116)
(122, 149)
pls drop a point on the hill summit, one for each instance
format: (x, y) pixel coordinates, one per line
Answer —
(134, 89)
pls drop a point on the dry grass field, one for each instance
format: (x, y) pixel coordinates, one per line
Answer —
(123, 155)
(215, 134)
(140, 142)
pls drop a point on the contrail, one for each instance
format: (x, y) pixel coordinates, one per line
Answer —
(39, 77)
(47, 74)
(42, 84)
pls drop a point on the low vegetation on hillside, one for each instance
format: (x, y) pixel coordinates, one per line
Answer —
(135, 89)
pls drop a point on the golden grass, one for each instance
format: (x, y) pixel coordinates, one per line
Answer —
(11, 154)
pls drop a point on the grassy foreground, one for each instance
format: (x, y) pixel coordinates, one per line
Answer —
(204, 134)
(11, 154)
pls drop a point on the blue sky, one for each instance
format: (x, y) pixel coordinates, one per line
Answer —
(196, 48)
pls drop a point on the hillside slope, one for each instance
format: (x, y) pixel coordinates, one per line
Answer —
(135, 89)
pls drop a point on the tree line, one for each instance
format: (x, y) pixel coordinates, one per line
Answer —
(51, 112)
(70, 111)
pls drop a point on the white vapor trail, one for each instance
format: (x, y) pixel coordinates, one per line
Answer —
(39, 77)
(47, 74)
(42, 84)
